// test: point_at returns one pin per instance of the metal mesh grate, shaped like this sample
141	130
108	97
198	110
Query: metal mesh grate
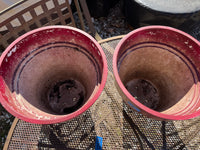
145	133
25	136
78	133
118	125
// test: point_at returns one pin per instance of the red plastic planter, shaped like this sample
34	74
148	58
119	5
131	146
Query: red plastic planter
51	74
168	60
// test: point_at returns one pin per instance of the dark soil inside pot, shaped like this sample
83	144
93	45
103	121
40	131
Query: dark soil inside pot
66	96
144	91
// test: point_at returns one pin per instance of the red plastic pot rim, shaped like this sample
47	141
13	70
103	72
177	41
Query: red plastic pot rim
125	91
58	118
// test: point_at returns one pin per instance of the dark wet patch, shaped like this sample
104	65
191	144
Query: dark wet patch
66	96
144	92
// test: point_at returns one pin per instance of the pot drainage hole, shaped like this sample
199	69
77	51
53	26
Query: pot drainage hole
66	96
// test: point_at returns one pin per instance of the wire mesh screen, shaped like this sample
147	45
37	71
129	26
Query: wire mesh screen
78	133
118	125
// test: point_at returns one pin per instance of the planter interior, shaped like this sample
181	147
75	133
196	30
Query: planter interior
159	68
52	74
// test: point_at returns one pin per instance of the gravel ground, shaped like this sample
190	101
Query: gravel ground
6	120
112	25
